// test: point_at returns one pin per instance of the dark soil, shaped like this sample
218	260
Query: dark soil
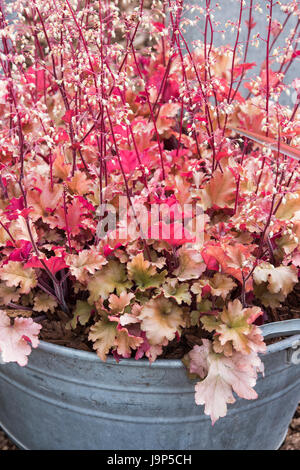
54	331
292	441
289	309
5	443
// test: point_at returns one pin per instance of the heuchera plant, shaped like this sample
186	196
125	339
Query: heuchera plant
109	116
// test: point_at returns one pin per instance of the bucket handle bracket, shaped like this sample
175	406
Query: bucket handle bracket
294	353
289	328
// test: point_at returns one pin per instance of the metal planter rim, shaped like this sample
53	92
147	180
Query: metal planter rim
290	328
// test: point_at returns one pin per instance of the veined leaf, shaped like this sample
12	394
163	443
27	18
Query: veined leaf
224	375
17	339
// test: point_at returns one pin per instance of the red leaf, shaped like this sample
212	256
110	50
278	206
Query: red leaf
211	262
221	155
252	24
68	116
61	136
22	253
158	26
241	68
54	264
15	204
107	250
38	77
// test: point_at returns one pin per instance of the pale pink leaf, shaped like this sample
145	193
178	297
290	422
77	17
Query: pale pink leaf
16	339
225	375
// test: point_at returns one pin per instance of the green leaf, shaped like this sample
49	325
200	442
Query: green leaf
111	277
81	314
144	273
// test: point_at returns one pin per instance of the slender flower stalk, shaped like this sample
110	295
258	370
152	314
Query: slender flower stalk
270	16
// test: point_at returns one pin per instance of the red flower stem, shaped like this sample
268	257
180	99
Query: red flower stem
281	30
62	90
189	97
209	71
243	293
262	237
130	45
8	232
83	161
119	158
19	307
296	107
175	26
232	69
280	70
234	52
273	201
52	277
152	116
47	289
138	156
126	184
181	127
135	145
13	100
207	112
271	251
163	83
239	178
57	286
281	199
84	45
291	61
295	48
246	49
205	39
267	88
101	143
119	70
163	39
278	151
100	159
66	220
268	68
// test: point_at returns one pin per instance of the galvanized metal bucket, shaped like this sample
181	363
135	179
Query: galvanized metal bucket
69	399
